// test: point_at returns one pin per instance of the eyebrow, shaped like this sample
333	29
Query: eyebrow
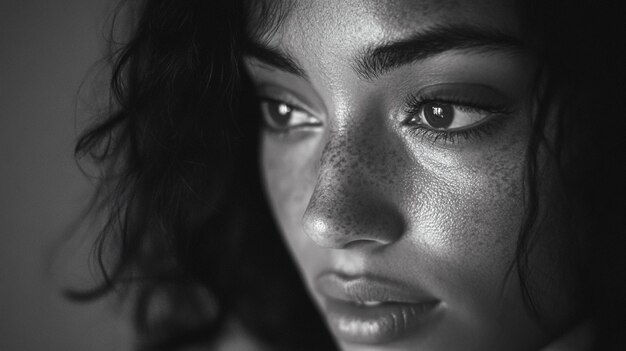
376	60
380	59
274	57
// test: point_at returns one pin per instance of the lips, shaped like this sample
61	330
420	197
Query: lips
373	310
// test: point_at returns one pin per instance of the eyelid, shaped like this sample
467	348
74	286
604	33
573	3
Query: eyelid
414	117
280	94
481	95
477	97
295	105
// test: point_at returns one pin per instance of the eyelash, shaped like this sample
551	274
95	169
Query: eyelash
415	103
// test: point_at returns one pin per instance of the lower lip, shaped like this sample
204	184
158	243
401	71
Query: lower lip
376	324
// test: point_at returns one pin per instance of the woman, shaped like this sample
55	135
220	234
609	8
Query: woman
431	165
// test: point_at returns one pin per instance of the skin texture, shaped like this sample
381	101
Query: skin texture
363	193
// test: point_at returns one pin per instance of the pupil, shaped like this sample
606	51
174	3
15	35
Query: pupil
280	113
438	115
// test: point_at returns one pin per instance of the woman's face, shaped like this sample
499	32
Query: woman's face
393	157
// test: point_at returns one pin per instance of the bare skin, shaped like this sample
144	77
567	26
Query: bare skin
378	203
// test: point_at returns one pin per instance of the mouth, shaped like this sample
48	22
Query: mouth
372	310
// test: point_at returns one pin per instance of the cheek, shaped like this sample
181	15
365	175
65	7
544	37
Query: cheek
289	177
464	233
477	207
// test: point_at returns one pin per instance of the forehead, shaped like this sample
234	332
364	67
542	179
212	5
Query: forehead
342	24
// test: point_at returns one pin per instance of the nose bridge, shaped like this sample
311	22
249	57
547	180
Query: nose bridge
354	158
353	200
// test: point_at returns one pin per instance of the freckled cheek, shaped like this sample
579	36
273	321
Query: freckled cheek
470	218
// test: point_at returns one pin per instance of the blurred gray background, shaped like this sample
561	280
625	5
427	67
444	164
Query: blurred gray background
47	50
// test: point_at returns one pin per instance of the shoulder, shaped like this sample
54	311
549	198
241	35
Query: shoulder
233	338
579	338
236	338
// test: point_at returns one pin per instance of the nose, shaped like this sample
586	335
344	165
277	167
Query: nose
355	201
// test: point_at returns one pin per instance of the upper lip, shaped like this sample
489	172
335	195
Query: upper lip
368	289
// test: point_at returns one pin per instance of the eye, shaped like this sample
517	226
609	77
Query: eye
445	116
281	116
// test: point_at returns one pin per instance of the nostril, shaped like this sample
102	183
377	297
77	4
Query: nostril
358	227
362	244
347	210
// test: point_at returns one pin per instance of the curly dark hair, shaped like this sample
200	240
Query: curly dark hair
187	219
188	223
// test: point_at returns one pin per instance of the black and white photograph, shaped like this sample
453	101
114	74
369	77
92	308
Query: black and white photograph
349	175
